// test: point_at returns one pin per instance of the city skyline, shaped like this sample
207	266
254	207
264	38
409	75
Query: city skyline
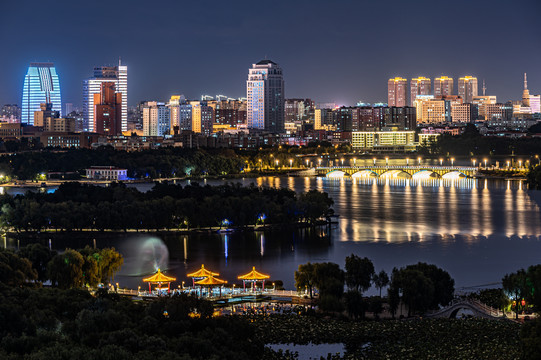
192	68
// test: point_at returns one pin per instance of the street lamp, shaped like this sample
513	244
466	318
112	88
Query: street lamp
354	161
290	163
485	160
273	287
342	162
307	161
508	164
452	161
419	161
183	285
374	161
260	164
473	162
386	161
519	164
407	161
319	162
277	162
441	161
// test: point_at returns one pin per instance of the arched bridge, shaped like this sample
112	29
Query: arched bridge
407	172
476	307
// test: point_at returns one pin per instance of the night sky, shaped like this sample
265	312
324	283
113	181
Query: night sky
341	51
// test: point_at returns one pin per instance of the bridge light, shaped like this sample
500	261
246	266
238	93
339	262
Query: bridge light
319	161
508	163
520	163
374	161
452	161
419	160
342	161
386	161
473	160
485	160
354	160
441	161
407	161
307	162
290	163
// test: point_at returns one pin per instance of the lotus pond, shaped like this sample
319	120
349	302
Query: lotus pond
396	339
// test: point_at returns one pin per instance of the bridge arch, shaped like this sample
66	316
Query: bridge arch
395	174
425	174
366	173
453	175
336	174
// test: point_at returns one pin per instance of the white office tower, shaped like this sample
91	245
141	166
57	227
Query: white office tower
265	93
118	75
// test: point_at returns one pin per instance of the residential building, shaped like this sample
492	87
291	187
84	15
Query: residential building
401	118
265	94
108	110
41	85
430	110
116	74
419	86
11	111
156	119
464	113
443	86
202	119
482	102
499	112
467	88
396	91
383	141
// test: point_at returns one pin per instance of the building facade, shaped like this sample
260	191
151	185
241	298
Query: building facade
467	88
265	97
431	110
443	86
464	113
419	86
156	119
396	91
108	110
116	74
41	85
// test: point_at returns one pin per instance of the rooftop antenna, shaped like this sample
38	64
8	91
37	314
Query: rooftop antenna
119	61
484	88
525	82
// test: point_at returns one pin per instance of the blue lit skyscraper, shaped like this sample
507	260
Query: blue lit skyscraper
41	85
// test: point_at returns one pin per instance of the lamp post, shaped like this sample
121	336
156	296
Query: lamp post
374	161
386	161
342	162
473	160
183	285
419	161
273	287
452	161
354	161
520	164
290	163
441	161
116	287
260	164
138	290
485	160
507	164
277	162
307	161
407	161
319	162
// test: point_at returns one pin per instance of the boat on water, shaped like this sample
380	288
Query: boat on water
225	231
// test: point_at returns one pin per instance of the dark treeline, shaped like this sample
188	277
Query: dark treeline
420	287
75	206
164	163
471	143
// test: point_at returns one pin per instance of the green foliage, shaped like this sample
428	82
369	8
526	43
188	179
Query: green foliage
380	280
534	177
421	287
66	270
355	304
15	270
359	272
515	285
494	298
305	277
39	255
530	336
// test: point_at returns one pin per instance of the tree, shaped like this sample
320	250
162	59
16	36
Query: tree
304	277
15	270
355	305
109	262
329	279
417	290
39	255
444	285
380	280
514	285
534	286
359	272
66	270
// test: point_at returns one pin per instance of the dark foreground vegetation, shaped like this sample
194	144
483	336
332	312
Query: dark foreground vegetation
66	321
76	206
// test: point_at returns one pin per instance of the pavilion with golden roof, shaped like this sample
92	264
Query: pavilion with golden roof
159	278
201	274
253	277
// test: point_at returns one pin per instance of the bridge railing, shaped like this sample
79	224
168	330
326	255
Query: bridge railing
397	167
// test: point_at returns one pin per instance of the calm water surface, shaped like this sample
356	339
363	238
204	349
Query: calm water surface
477	230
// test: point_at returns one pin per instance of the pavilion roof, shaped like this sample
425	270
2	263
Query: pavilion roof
211	280
159	278
201	273
254	275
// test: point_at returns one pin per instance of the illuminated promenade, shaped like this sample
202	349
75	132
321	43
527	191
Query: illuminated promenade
406	172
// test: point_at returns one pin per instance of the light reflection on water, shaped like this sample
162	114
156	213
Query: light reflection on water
478	230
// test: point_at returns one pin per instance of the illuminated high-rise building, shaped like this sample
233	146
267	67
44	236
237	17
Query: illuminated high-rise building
467	88
396	91
419	86
443	86
525	93
108	110
156	119
41	85
265	96
116	74
202	118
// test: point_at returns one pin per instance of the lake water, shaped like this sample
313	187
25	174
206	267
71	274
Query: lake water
477	230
